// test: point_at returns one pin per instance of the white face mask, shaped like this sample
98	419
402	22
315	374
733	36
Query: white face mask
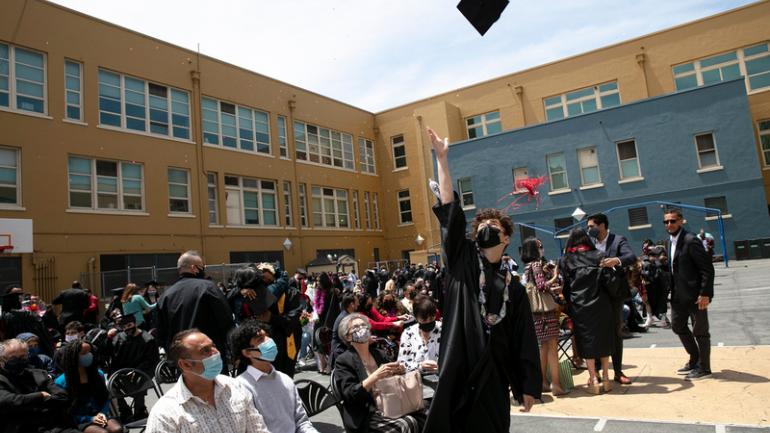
70	338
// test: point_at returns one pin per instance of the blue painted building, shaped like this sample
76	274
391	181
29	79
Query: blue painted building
693	147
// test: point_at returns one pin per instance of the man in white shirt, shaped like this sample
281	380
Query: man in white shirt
273	393
203	400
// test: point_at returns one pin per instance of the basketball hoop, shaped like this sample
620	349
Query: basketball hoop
6	249
5	246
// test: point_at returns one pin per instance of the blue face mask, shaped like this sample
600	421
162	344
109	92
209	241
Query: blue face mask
212	366
86	360
34	351
269	350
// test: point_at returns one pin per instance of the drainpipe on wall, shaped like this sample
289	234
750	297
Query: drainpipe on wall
92	273
292	103
640	60
195	76
519	92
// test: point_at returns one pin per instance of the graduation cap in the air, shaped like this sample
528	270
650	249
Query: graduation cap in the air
482	13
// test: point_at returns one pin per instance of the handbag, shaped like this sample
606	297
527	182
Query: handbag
539	302
399	395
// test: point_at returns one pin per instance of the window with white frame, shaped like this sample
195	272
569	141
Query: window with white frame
628	161
287	214
637	217
375	211
589	166
399	151
764	138
752	62
557	171
212	198
465	187
105	185
356	213
73	93
283	144
302	204
178	190
582	101
323	146
483	124
519	174
10	179
251	201
706	147
330	207
367	212
22	79
404	206
717	203
235	127
130	103
366	153
563	223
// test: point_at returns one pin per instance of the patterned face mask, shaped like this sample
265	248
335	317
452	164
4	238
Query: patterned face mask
361	334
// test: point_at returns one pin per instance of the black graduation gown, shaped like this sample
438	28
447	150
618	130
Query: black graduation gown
590	306
477	369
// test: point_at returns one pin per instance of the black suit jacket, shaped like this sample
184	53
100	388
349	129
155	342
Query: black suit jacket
358	403
693	271
617	246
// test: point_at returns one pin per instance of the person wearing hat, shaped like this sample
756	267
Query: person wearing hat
132	347
36	359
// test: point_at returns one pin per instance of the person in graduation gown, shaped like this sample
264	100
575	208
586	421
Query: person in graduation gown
488	343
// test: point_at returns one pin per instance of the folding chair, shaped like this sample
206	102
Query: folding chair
128	383
564	343
166	372
315	397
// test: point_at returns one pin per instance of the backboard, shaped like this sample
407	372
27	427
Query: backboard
16	233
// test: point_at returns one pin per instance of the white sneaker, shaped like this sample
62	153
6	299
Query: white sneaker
647	323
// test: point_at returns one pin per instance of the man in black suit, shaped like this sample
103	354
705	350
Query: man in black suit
619	256
692	291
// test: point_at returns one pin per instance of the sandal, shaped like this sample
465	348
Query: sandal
593	387
607	385
623	379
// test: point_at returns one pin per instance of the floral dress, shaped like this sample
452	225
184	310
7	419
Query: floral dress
546	324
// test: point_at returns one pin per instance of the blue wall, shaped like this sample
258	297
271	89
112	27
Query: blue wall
664	129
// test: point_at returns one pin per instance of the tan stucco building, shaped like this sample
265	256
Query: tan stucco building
125	150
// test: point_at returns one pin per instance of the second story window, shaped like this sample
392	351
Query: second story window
323	146
105	185
557	170
235	127
73	93
752	62
22	79
178	190
483	124
582	101
399	152
366	153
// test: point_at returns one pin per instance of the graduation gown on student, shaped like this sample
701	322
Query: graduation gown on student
478	365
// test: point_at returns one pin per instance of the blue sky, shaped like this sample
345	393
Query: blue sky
378	54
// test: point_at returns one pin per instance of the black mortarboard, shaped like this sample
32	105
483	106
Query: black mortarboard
482	13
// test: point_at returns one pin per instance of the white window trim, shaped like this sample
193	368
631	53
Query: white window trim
701	168
356	211
461	193
307	152
285	146
583	184
214	185
286	193
592	186
230	149
221	145
740	60
762	133
376	211
399	199
106	212
560	191
484	123
95	190
364	152
240	189
12	82
303	206
710	169
513	173
74	122
187	185
597	96
336	209
716	217
393	146
145	134
640	227
26	113
367	211
19	203
80	92
180	215
620	168
550	173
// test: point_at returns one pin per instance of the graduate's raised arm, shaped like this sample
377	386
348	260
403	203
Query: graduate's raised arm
441	148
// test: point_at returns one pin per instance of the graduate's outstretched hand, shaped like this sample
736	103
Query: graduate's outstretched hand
441	147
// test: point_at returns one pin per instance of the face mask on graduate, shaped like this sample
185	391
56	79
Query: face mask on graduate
488	237
15	366
593	232
70	338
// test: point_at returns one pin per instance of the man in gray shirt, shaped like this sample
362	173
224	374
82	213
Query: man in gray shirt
274	393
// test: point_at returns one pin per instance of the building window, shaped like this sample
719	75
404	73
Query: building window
707	151
753	63
562	223
235	127
356	213
582	101
283	144
399	151
628	160
212	198
764	138
483	124
23	86
366	153
10	192
404	207
287	216
367	212
251	201
118	185
375	211
302	205
465	187
637	217
526	232
178	190
133	104
557	170
717	203
323	146
589	166
330	207
73	94
519	174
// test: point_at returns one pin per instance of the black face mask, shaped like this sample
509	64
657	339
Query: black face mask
593	232
427	327
201	273
488	237
15	366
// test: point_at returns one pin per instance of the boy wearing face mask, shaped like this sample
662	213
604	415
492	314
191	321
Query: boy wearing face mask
274	393
488	343
132	347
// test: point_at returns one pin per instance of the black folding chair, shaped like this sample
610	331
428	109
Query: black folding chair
315	397
166	372
564	343
128	383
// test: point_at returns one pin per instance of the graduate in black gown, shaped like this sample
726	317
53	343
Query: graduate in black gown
488	343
